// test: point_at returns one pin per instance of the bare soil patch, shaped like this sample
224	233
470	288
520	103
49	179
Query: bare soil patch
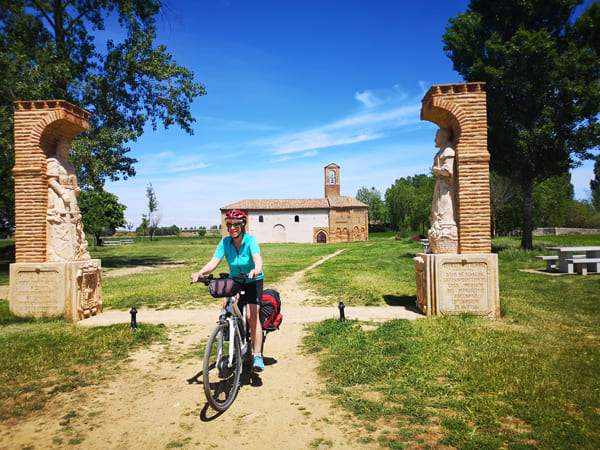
156	402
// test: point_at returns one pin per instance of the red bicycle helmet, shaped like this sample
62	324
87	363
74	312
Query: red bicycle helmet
236	214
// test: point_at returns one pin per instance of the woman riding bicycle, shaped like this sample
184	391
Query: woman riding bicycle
243	256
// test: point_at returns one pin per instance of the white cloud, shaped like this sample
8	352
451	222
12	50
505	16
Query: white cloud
424	86
368	99
308	154
314	139
185	168
386	119
372	124
167	163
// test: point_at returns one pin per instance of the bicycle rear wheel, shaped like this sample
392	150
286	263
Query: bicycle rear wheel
221	379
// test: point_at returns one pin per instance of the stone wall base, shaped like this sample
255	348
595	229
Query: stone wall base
72	290
456	284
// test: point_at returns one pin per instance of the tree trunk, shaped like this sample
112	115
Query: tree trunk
526	238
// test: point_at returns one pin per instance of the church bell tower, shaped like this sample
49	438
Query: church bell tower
332	180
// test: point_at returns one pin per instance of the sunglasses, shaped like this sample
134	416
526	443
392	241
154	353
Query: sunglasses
233	225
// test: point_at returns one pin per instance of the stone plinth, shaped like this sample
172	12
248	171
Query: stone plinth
456	284
72	290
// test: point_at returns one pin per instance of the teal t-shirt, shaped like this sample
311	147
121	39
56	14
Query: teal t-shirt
242	261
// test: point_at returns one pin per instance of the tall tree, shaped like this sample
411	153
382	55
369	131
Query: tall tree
153	213
48	50
542	70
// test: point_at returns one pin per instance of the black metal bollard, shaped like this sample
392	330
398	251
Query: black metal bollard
341	307
133	313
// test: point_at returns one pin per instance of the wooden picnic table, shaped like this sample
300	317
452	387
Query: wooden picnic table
566	256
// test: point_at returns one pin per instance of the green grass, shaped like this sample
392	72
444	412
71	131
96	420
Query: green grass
529	380
170	287
368	273
39	359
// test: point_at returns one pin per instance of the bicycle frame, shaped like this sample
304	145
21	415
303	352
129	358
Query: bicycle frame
232	313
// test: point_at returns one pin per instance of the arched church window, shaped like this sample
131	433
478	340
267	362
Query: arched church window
332	177
297	219
261	219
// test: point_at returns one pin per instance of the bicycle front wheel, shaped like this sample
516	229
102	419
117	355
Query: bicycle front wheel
220	376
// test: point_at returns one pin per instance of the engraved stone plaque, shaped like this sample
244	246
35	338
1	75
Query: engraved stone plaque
456	284
37	290
467	284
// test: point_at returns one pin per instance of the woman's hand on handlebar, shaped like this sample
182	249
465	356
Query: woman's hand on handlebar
195	277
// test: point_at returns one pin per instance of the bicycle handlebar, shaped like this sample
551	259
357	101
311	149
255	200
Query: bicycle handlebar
207	279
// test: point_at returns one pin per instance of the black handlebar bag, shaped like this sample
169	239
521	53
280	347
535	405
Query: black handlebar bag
223	287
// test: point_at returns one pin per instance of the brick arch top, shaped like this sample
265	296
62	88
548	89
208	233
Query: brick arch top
443	113
462	107
38	124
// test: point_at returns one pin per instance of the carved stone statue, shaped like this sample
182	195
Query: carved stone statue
53	274
66	239
443	234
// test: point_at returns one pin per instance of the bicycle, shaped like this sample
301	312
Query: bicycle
228	346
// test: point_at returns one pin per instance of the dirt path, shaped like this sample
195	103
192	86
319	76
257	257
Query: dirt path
154	405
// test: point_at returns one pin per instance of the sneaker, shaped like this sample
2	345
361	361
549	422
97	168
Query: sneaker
259	365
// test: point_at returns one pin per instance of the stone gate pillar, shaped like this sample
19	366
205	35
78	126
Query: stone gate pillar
464	280
53	274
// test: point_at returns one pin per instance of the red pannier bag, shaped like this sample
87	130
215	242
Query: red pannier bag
270	310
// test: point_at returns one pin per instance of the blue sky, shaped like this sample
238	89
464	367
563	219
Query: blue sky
292	87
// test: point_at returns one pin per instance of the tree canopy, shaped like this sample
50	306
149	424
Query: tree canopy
542	72
101	213
372	198
61	50
408	202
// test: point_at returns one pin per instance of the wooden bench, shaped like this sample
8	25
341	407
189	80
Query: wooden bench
581	264
126	241
111	243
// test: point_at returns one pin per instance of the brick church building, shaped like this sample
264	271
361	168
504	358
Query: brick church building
332	219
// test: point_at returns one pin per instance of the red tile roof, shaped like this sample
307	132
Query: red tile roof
302	203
